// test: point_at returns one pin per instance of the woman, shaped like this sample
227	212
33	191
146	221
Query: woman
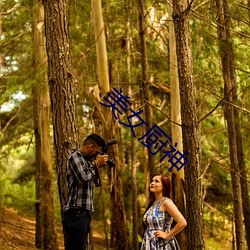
159	215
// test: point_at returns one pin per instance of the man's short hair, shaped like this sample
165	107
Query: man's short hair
94	139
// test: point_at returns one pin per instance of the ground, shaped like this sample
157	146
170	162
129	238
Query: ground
18	232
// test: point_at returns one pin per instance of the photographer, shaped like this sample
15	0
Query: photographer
82	173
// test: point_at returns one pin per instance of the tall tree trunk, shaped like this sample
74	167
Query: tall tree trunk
46	237
132	139
177	176
243	179
144	85
181	16
121	235
229	75
101	51
37	67
61	88
104	219
109	131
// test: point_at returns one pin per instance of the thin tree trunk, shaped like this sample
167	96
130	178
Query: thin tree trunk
101	51
229	75
104	219
233	235
177	176
150	165
46	237
61	88
243	178
132	139
194	215
117	204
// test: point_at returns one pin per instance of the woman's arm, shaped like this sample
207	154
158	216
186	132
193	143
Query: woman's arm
169	207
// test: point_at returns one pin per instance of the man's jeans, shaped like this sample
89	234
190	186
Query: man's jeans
76	226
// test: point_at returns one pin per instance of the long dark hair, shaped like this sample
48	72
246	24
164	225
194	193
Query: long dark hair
166	189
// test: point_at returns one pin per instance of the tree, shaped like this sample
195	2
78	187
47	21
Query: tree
45	217
181	16
109	131
230	93
61	86
144	88
132	139
177	176
243	177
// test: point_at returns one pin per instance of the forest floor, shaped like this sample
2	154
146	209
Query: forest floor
18	232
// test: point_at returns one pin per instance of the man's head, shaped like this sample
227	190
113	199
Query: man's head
92	146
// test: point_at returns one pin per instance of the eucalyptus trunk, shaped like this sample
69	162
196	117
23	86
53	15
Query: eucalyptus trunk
134	207
177	176
120	238
61	87
46	237
243	177
230	93
144	88
181	17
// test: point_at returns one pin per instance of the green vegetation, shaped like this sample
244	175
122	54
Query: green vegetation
17	146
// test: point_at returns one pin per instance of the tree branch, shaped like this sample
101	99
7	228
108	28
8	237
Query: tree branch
161	112
10	120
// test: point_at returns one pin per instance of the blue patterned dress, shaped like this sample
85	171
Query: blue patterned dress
155	220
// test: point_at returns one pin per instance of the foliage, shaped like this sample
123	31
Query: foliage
17	150
18	190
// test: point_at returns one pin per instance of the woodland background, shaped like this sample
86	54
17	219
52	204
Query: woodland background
86	48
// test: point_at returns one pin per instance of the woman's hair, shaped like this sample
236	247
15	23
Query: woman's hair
166	189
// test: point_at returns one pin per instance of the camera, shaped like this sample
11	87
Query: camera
110	162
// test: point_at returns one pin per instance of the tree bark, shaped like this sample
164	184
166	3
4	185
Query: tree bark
144	89
101	51
177	176
181	16
230	90
121	241
243	177
61	87
46	237
132	139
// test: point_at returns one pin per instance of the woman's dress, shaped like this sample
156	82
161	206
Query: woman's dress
155	220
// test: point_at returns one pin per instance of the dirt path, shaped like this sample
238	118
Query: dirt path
18	232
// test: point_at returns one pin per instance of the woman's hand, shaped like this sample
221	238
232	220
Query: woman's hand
161	234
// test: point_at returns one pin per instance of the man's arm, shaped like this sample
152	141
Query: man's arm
80	167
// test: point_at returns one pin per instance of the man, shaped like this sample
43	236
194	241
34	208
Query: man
81	174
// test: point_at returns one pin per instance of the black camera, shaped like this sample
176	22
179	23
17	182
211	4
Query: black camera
110	162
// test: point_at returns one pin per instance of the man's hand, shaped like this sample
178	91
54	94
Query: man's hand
100	160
